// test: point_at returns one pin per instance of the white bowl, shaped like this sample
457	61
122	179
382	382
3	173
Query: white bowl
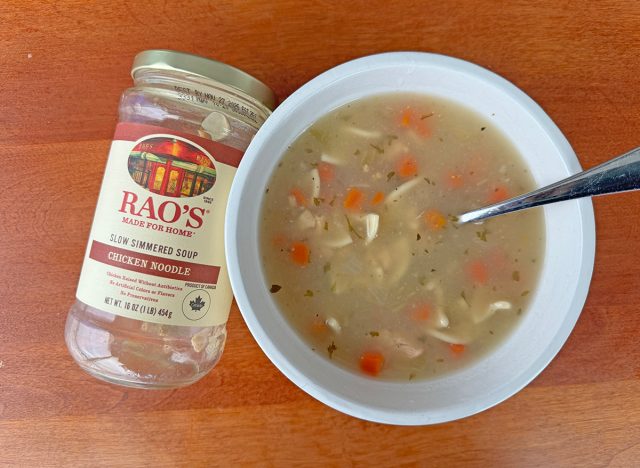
566	271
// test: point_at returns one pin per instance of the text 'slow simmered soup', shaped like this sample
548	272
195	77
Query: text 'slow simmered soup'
360	248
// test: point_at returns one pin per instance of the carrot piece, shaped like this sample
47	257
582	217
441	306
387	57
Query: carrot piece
326	172
478	272
407	166
318	327
299	196
454	180
299	253
498	194
353	199
435	220
457	349
371	362
407	117
421	313
377	198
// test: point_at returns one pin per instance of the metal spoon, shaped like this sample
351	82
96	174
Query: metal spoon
620	174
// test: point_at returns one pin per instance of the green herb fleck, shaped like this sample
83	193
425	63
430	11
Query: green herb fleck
482	235
326	225
524	293
377	148
357	152
330	349
327	267
418	236
490	332
515	275
332	201
411	376
482	129
390	175
351	228
308	150
426	116
464	297
374	333
333	287
315	133
275	288
433	270
309	293
317	201
439	360
429	181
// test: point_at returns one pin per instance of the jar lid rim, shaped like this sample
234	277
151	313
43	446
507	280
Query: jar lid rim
162	59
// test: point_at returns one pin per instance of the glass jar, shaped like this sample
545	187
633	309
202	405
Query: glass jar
154	295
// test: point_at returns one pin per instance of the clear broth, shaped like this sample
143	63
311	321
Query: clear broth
415	296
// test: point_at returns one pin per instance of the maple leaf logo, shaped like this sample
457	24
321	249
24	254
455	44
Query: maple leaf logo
197	304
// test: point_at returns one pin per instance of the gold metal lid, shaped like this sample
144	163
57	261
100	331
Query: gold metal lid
208	68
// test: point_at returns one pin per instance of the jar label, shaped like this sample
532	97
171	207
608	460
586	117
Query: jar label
156	248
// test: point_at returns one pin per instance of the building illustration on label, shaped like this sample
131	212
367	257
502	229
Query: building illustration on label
171	167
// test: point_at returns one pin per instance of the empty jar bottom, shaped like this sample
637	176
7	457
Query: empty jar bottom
141	354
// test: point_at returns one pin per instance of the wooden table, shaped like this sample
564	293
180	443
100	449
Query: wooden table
63	65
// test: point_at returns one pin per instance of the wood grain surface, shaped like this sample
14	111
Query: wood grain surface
63	65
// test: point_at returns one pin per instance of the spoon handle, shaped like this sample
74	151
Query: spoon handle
620	174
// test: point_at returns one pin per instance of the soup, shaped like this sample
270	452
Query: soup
361	250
